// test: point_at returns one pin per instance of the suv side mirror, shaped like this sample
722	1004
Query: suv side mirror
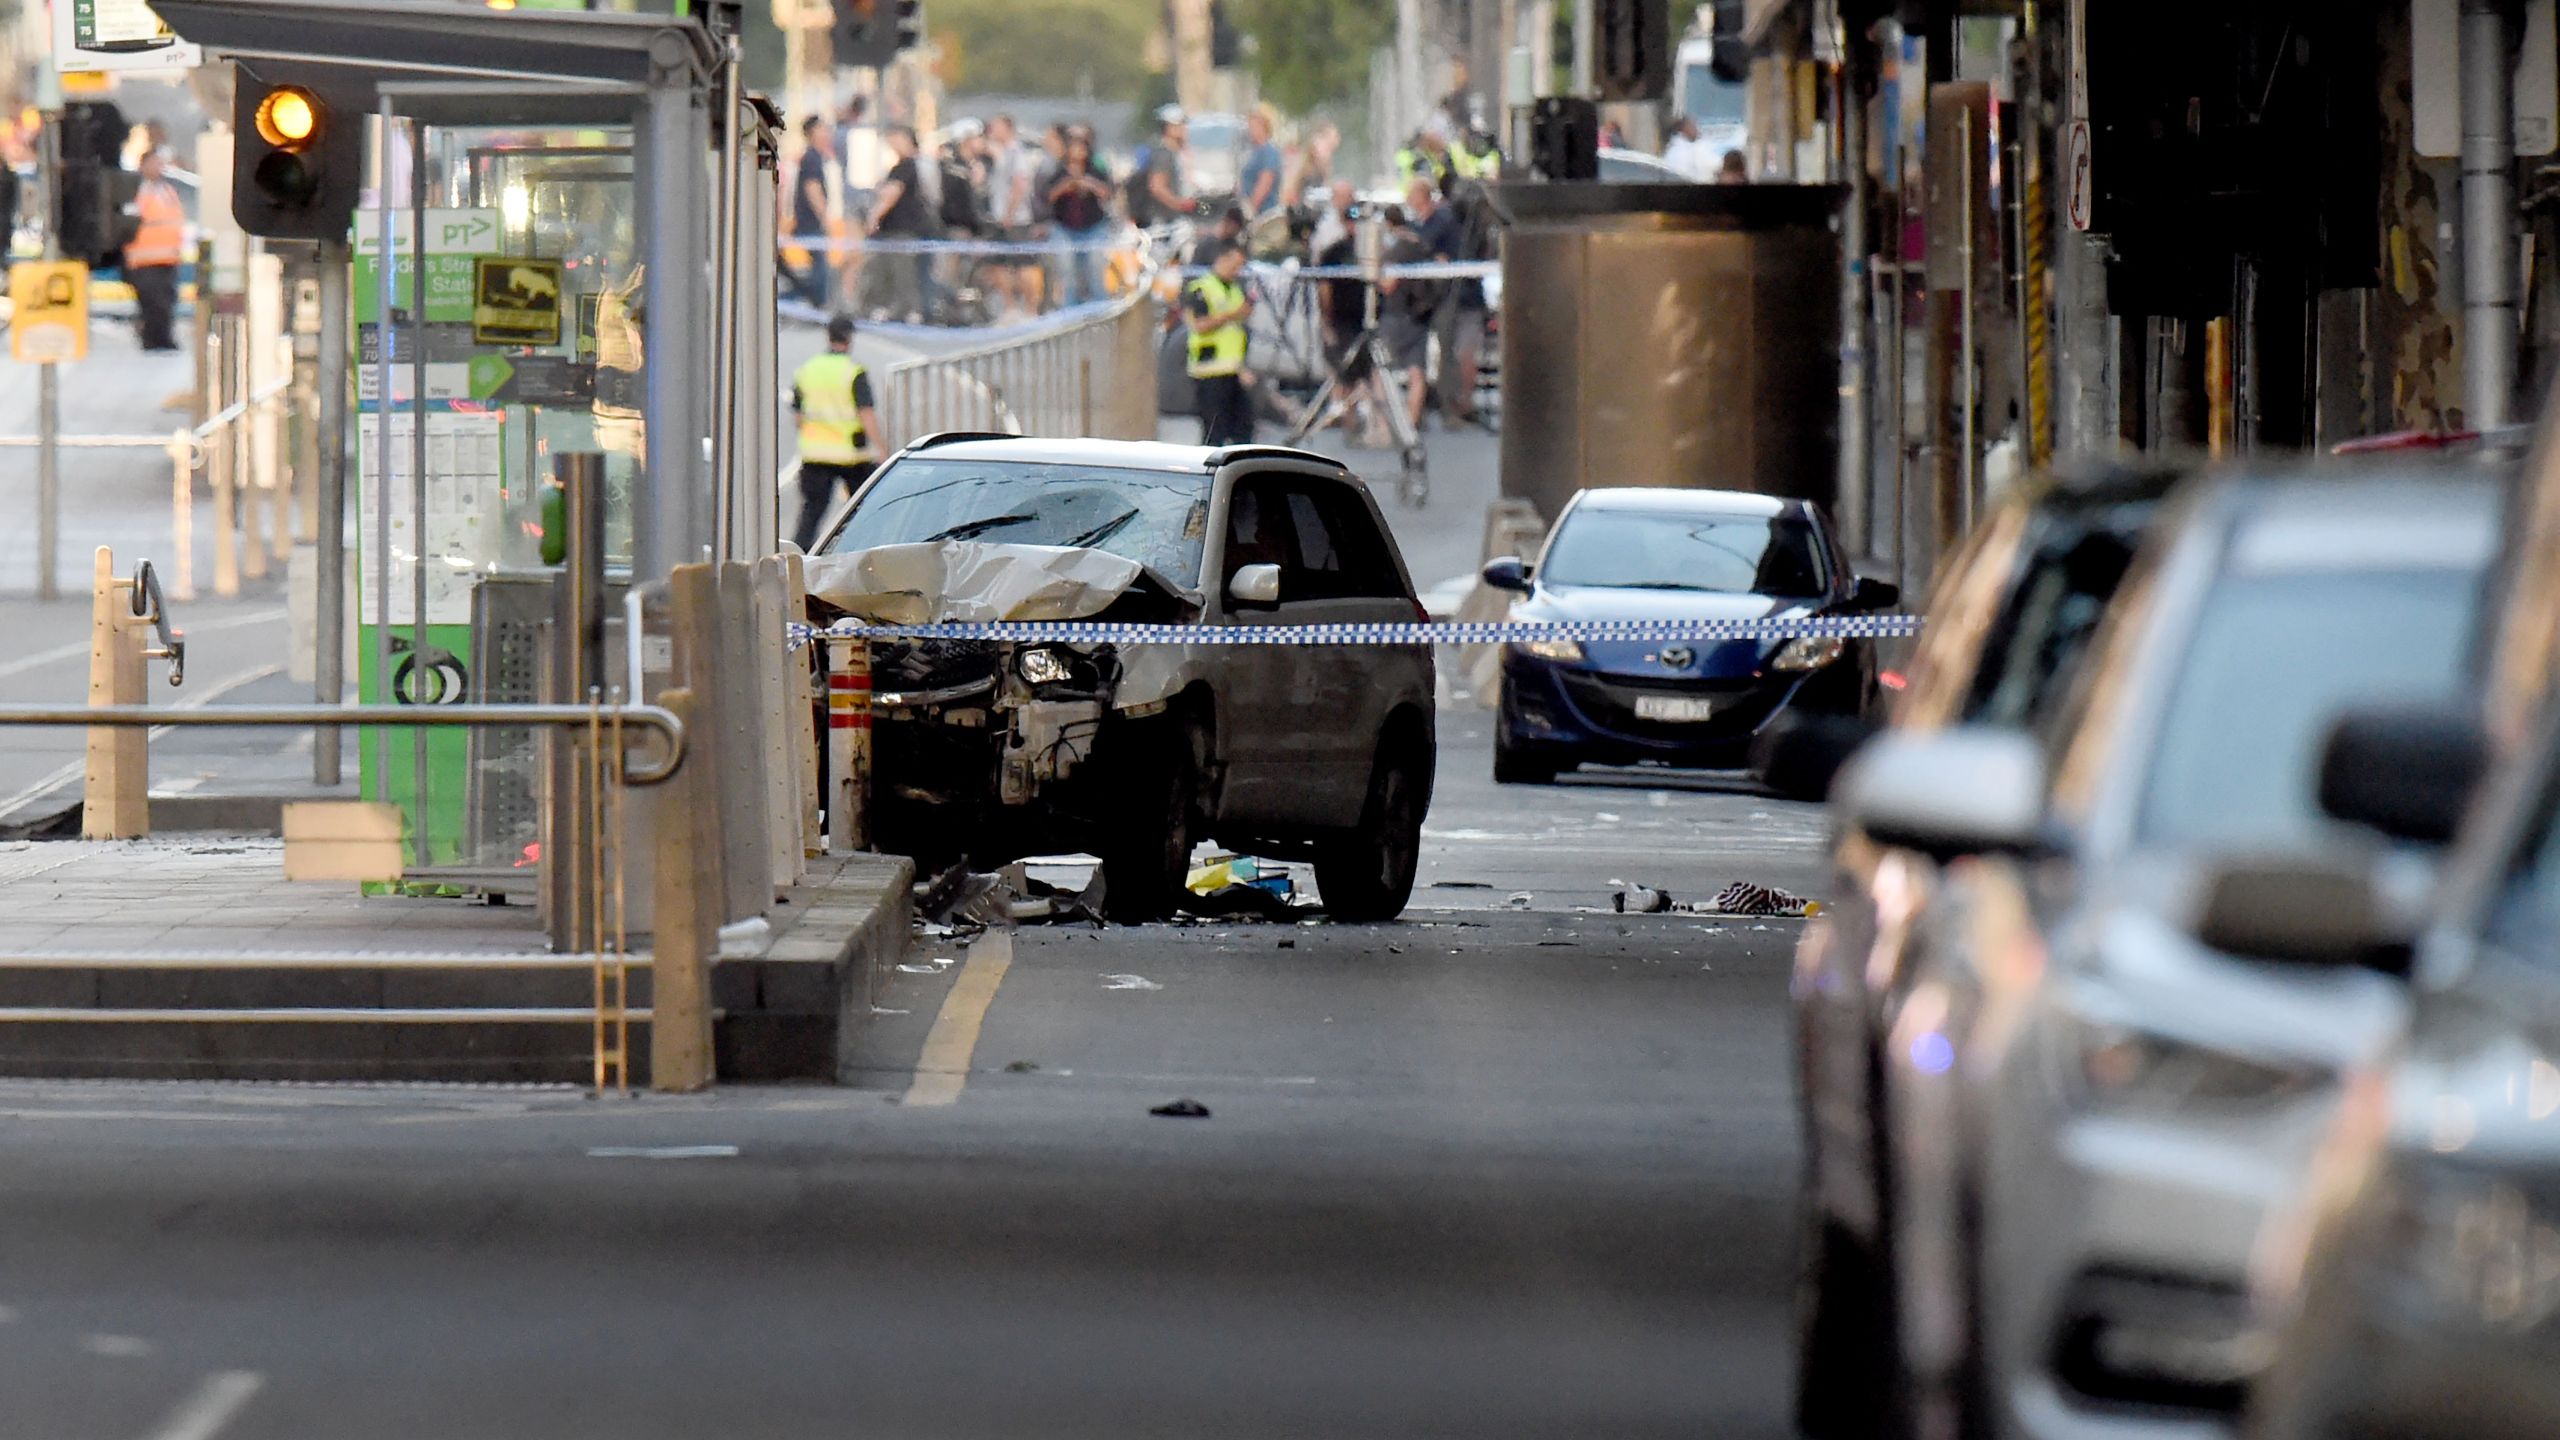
1873	595
2405	771
1255	585
2299	912
1948	793
1508	573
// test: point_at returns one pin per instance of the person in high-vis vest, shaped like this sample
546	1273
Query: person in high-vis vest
1218	307
1428	157
151	260
840	435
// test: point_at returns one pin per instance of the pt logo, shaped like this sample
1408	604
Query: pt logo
434	676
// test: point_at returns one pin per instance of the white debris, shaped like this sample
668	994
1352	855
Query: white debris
1129	982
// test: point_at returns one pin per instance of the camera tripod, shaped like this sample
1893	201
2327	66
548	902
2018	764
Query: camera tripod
1366	360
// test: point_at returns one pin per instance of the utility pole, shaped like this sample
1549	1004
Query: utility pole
1191	57
2488	213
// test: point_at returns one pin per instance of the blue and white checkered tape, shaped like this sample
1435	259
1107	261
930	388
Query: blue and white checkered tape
1490	632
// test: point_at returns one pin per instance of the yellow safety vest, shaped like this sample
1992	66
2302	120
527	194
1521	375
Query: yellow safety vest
831	430
1219	351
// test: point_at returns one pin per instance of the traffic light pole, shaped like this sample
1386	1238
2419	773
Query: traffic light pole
49	385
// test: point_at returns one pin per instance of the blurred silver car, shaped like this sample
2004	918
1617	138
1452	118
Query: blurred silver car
2092	1108
2007	632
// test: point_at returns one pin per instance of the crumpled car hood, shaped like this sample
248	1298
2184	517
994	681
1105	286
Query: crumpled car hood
967	582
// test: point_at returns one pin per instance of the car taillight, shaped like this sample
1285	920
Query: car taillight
1892	680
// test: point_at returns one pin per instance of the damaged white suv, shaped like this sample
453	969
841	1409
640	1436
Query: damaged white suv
992	750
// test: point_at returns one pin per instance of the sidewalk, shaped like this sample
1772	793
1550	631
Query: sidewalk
183	924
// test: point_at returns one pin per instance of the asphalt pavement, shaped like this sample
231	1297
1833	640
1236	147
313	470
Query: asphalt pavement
1491	1175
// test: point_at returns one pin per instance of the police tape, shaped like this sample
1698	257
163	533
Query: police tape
1451	632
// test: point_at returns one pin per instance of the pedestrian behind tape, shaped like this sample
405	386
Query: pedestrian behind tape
1218	307
840	431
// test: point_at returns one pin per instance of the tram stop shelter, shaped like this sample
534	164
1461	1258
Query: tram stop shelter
547	363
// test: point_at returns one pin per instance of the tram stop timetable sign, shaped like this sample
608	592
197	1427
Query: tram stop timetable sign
49	311
515	300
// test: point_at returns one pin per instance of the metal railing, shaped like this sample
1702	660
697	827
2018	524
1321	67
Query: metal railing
1073	379
605	951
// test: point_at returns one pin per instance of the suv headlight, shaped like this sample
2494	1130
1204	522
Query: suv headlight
1043	666
1809	652
1568	651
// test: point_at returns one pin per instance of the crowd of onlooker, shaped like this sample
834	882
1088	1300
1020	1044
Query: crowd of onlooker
1042	217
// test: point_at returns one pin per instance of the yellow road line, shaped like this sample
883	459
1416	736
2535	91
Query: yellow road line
942	1071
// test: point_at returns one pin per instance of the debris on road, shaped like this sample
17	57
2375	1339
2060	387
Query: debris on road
1739	898
1240	887
1129	982
1183	1109
1521	900
1021	1067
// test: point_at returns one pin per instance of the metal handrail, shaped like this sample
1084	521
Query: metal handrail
660	722
150	606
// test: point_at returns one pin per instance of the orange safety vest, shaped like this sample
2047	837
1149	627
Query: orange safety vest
162	239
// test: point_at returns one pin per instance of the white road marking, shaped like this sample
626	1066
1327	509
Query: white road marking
663	1152
119	1347
210	1406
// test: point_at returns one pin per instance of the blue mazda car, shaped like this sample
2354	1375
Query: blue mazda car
1654	554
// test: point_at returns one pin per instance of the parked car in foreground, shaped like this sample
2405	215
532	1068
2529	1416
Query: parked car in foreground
2011	620
2416	1293
1651	554
995	750
2095	1097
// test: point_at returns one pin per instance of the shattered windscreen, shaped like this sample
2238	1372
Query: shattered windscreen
1157	518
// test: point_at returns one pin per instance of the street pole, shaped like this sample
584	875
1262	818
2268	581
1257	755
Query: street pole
330	603
1856	310
2488	215
49	384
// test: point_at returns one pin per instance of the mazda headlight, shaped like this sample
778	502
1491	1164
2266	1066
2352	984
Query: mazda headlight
1043	666
2133	1064
1809	652
1567	651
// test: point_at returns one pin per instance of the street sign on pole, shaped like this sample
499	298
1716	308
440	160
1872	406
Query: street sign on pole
116	35
49	311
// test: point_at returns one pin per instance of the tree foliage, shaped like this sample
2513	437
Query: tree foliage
1054	47
1314	53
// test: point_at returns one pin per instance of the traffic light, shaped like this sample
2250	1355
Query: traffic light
297	162
1635	45
870	33
92	226
1564	138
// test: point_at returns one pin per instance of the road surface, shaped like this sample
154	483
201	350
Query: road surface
1469	1175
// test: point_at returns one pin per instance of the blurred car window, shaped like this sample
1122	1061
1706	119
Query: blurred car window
1153	517
2274	658
1637	550
2049	629
1340	553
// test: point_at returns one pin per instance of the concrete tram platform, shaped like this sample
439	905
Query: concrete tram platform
162	927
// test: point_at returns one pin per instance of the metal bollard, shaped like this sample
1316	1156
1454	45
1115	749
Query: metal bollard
115	788
848	743
684	928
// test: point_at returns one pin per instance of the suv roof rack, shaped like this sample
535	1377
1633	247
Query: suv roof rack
1229	454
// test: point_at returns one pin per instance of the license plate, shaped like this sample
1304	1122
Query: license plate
1673	707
